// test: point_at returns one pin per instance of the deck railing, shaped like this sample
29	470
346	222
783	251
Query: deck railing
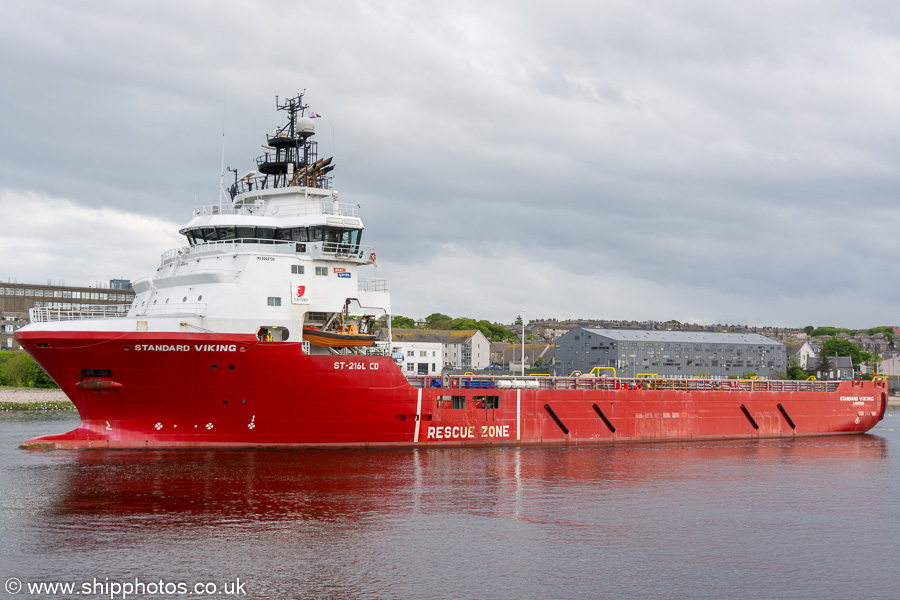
373	285
326	206
317	250
463	382
94	311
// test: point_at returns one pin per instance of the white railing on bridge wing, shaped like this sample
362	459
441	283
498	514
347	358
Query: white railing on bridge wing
263	208
373	285
94	311
329	250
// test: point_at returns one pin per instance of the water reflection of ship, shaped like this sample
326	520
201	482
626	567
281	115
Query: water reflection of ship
204	488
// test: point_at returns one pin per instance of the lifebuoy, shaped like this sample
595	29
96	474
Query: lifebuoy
372	257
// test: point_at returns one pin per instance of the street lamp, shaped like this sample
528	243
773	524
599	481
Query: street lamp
523	342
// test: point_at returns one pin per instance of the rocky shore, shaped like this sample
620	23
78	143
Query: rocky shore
29	395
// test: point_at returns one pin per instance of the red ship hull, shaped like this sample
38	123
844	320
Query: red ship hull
140	390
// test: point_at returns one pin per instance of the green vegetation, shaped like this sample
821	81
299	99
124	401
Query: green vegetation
401	322
794	371
34	406
838	347
824	365
442	322
832	331
17	369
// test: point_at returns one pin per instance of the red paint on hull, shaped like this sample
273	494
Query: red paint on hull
204	390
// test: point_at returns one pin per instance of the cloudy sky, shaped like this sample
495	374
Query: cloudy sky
713	162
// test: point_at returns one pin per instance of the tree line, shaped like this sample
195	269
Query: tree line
17	369
833	331
442	322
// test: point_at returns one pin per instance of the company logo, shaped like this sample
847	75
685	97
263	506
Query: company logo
299	294
344	275
340	270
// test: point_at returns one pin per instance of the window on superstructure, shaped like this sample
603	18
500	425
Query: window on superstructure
225	233
245	233
297	269
274	301
322	271
351	237
332	235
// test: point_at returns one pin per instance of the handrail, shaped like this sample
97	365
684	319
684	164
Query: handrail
598	369
45	314
332	250
472	381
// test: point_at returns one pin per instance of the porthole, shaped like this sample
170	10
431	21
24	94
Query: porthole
199	298
184	299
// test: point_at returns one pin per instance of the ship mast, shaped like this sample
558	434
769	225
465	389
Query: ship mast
291	157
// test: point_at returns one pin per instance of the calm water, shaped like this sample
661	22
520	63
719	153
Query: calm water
815	518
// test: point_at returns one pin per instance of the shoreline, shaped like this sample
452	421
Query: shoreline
30	395
34	399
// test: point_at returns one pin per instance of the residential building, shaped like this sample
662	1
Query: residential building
840	367
418	358
535	354
805	353
467	349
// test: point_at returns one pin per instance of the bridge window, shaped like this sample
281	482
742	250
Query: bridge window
334	235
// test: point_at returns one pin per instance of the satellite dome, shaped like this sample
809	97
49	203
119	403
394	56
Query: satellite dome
305	126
